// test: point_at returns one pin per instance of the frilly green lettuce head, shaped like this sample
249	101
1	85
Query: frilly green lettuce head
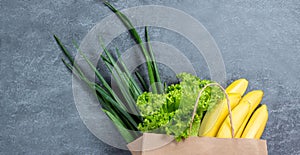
171	112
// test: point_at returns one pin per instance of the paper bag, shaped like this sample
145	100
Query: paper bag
158	144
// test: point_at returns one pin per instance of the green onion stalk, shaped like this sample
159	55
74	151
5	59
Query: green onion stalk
121	109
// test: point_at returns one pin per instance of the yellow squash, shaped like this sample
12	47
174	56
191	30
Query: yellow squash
239	113
257	123
254	98
214	118
239	86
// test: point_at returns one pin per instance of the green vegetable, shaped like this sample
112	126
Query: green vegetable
121	109
171	113
165	110
153	74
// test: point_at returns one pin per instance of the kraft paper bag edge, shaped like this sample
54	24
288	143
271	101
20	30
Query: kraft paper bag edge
258	145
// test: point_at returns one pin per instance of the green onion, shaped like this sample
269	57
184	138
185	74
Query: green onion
151	65
124	114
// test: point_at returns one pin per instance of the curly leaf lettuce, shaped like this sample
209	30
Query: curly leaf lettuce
171	113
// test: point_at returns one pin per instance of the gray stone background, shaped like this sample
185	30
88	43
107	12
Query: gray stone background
259	40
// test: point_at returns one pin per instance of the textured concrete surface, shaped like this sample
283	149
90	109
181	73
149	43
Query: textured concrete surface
259	40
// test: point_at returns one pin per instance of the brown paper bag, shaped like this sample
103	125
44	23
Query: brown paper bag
159	144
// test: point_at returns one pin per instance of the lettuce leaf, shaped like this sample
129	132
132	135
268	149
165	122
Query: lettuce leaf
171	113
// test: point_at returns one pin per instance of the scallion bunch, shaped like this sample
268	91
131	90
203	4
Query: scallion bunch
122	110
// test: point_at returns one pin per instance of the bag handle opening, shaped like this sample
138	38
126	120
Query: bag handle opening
228	105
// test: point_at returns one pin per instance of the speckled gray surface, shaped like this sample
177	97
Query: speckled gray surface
259	40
